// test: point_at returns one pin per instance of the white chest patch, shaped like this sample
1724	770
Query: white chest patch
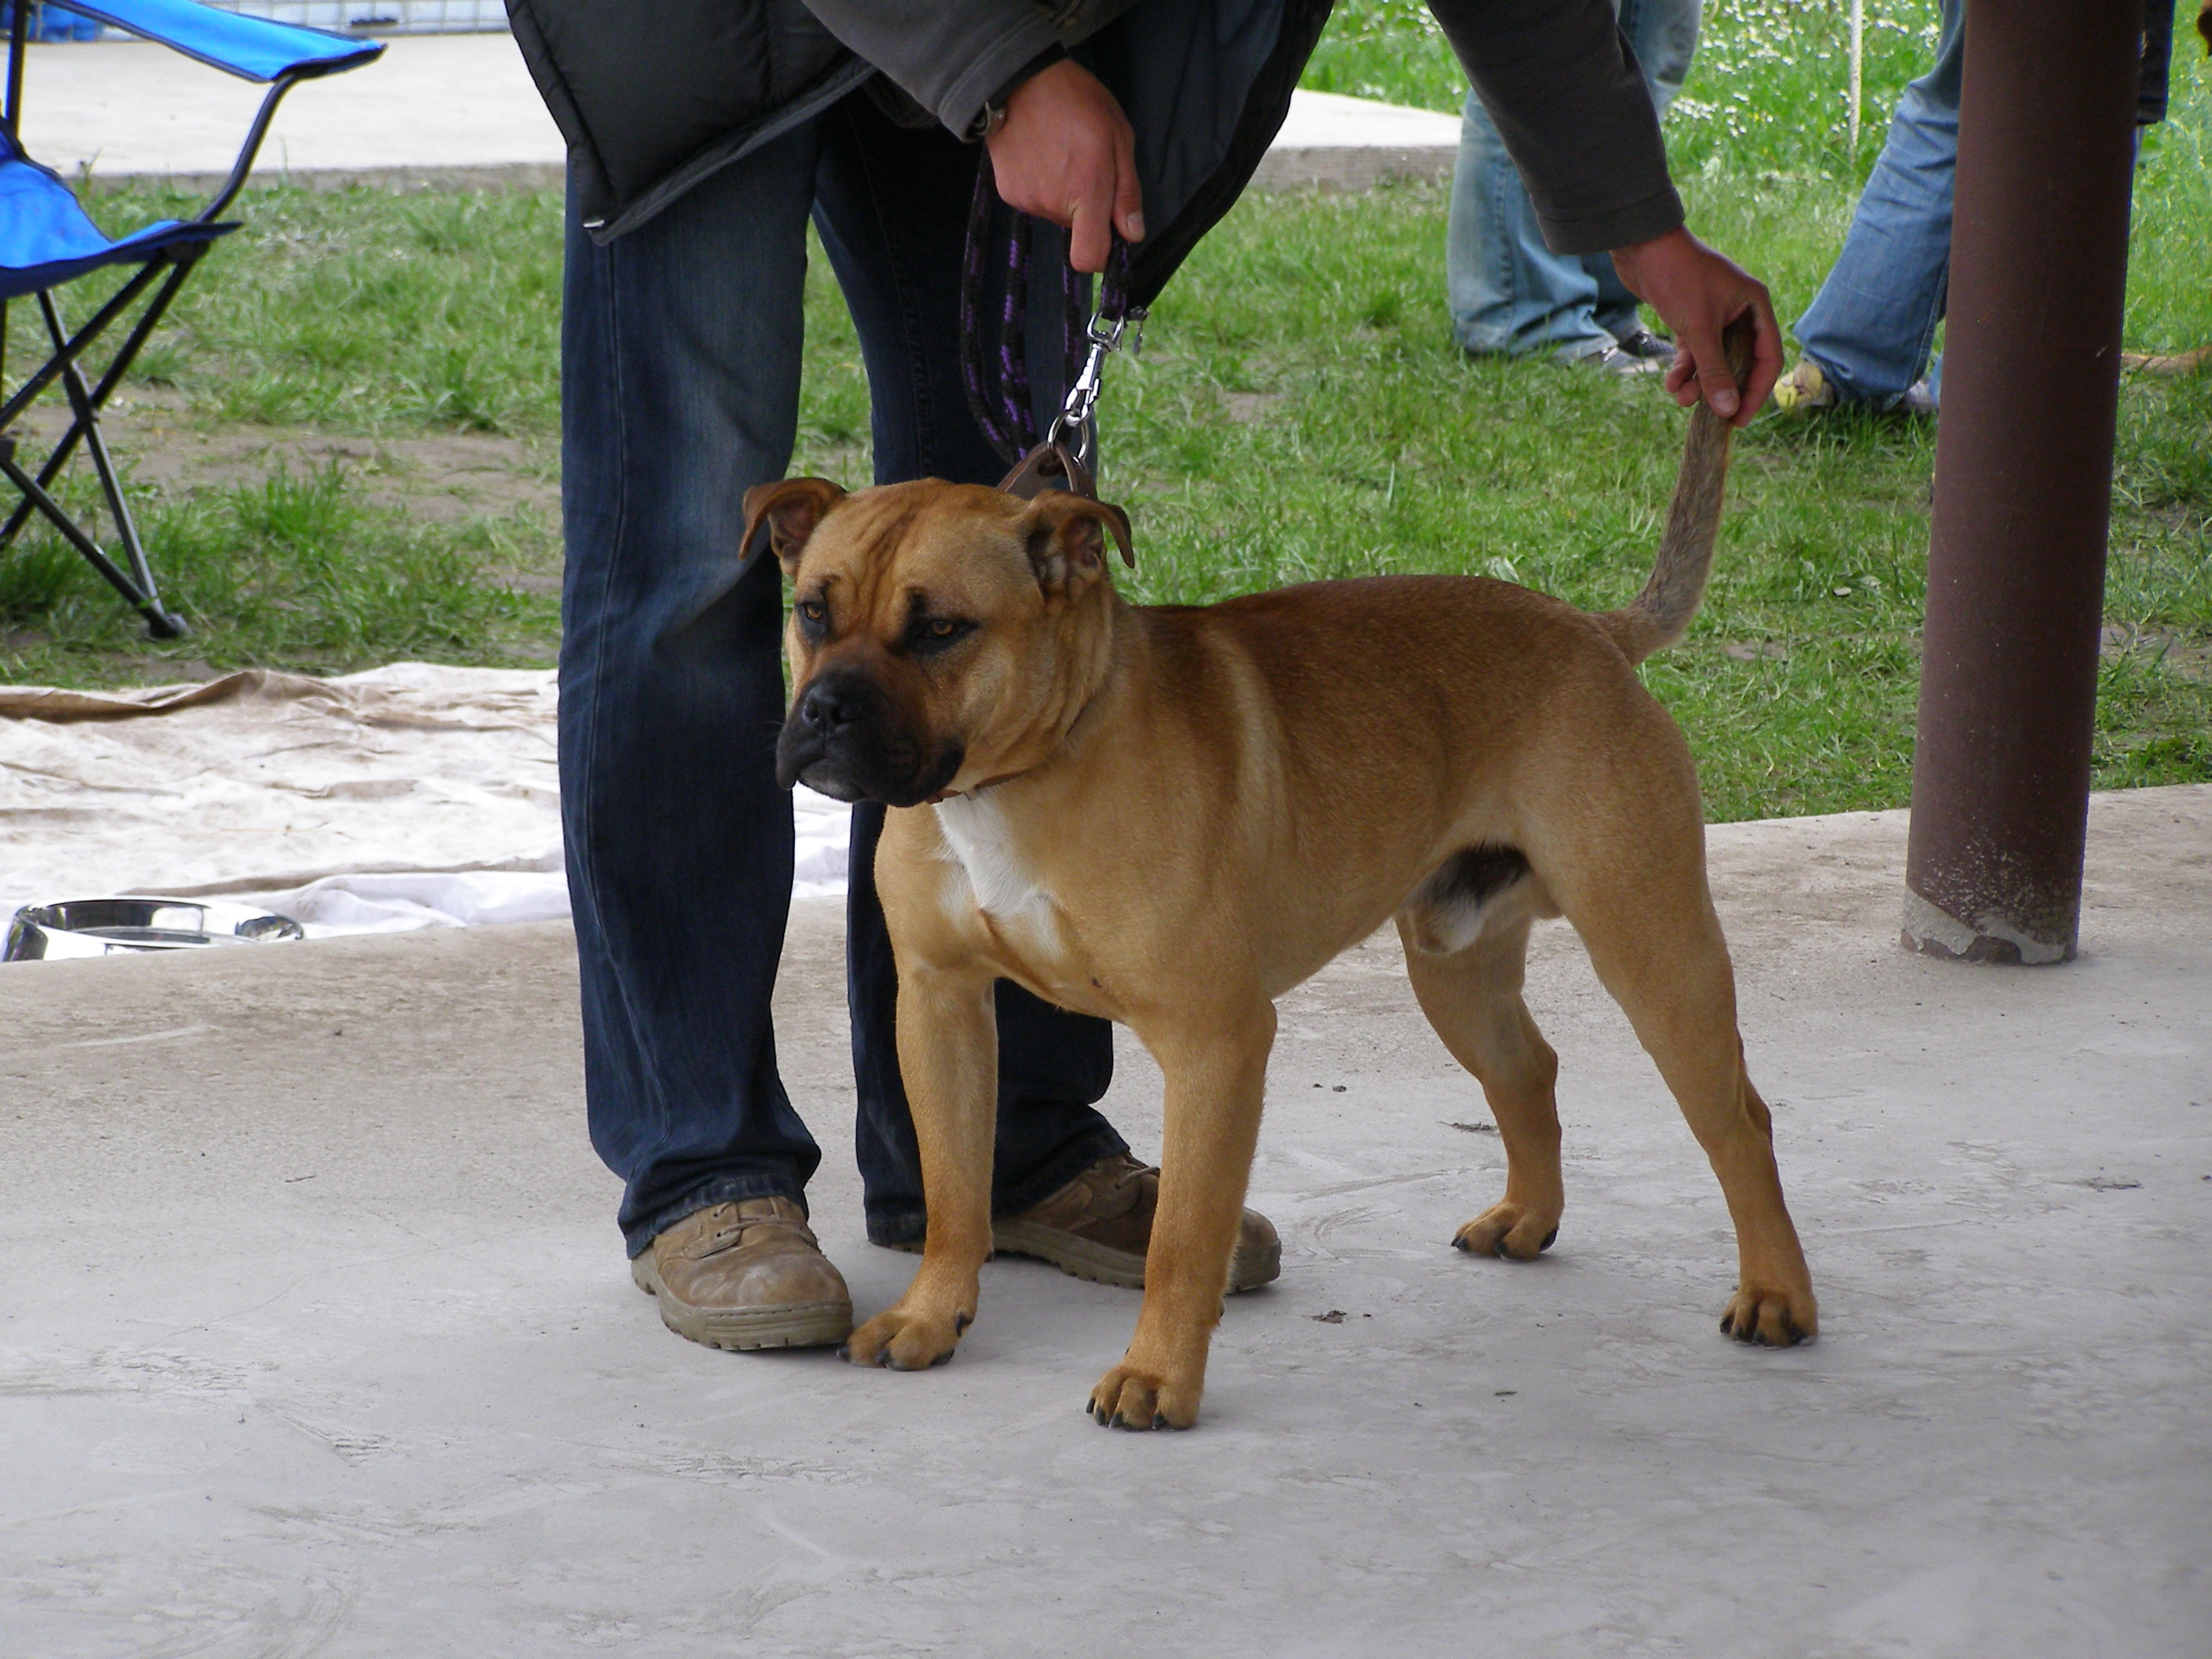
998	883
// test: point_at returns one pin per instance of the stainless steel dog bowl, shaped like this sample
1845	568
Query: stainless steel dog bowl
106	926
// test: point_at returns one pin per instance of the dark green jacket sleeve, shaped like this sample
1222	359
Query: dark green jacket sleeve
1570	101
950	55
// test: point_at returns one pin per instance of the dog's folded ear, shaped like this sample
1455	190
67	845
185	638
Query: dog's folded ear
793	507
1067	539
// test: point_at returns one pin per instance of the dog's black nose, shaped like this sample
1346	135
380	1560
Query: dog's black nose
827	707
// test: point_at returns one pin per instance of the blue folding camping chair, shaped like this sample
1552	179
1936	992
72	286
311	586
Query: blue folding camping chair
47	241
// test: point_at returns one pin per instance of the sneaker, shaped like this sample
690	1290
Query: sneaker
1099	1226
1803	390
746	1275
1919	399
1645	343
1619	361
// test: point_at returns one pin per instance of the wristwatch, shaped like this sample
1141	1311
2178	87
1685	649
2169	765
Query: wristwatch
992	116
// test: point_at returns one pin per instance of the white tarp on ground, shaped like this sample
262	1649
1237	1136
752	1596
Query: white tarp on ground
409	796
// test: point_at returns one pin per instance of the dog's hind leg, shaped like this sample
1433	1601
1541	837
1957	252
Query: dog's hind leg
1646	916
948	1047
1472	996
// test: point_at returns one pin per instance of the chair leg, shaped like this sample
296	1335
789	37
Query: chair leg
67	445
159	624
59	457
33	385
144	594
126	528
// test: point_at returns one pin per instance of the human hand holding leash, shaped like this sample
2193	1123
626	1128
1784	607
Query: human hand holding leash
1699	292
1067	153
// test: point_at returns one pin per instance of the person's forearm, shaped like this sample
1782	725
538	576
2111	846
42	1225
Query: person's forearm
1570	101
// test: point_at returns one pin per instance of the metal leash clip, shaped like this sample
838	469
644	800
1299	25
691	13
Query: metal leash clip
1078	418
1068	456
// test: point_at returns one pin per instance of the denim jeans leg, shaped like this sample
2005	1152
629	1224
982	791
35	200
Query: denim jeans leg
892	205
680	354
1870	327
1663	33
1509	295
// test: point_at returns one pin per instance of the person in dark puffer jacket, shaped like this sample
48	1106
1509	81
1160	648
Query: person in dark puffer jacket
703	135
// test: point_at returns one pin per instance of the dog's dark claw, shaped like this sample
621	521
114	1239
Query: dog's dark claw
961	1322
1159	1420
845	1351
1462	1246
1550	1239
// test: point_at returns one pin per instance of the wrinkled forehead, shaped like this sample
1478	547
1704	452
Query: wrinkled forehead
880	551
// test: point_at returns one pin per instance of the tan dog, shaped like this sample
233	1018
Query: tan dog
1170	816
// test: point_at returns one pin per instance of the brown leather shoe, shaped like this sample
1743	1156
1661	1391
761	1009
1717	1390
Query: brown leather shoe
1098	1226
746	1275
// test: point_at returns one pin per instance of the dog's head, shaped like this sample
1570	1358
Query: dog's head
941	635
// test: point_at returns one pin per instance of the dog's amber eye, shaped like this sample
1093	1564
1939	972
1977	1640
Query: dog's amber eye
813	610
929	634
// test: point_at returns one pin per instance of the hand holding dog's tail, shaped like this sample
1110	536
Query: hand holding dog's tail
1662	610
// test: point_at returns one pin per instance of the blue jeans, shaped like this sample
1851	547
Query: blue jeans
1872	325
680	366
1510	294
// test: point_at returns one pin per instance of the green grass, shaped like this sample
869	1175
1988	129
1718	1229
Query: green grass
1402	454
1306	415
1392	50
296	571
366	313
1769	94
358	313
1299	411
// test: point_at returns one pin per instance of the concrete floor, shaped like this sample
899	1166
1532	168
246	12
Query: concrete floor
315	1336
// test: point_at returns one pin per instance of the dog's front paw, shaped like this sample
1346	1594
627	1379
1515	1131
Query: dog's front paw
1509	1229
1772	1317
902	1340
1128	1397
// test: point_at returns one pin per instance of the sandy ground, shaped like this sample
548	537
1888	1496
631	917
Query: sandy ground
315	1336
447	476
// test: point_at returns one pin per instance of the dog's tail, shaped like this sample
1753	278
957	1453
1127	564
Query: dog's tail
1662	610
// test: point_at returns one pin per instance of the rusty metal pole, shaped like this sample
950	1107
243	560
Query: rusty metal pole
2023	479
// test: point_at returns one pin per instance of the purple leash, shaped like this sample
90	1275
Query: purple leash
999	395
